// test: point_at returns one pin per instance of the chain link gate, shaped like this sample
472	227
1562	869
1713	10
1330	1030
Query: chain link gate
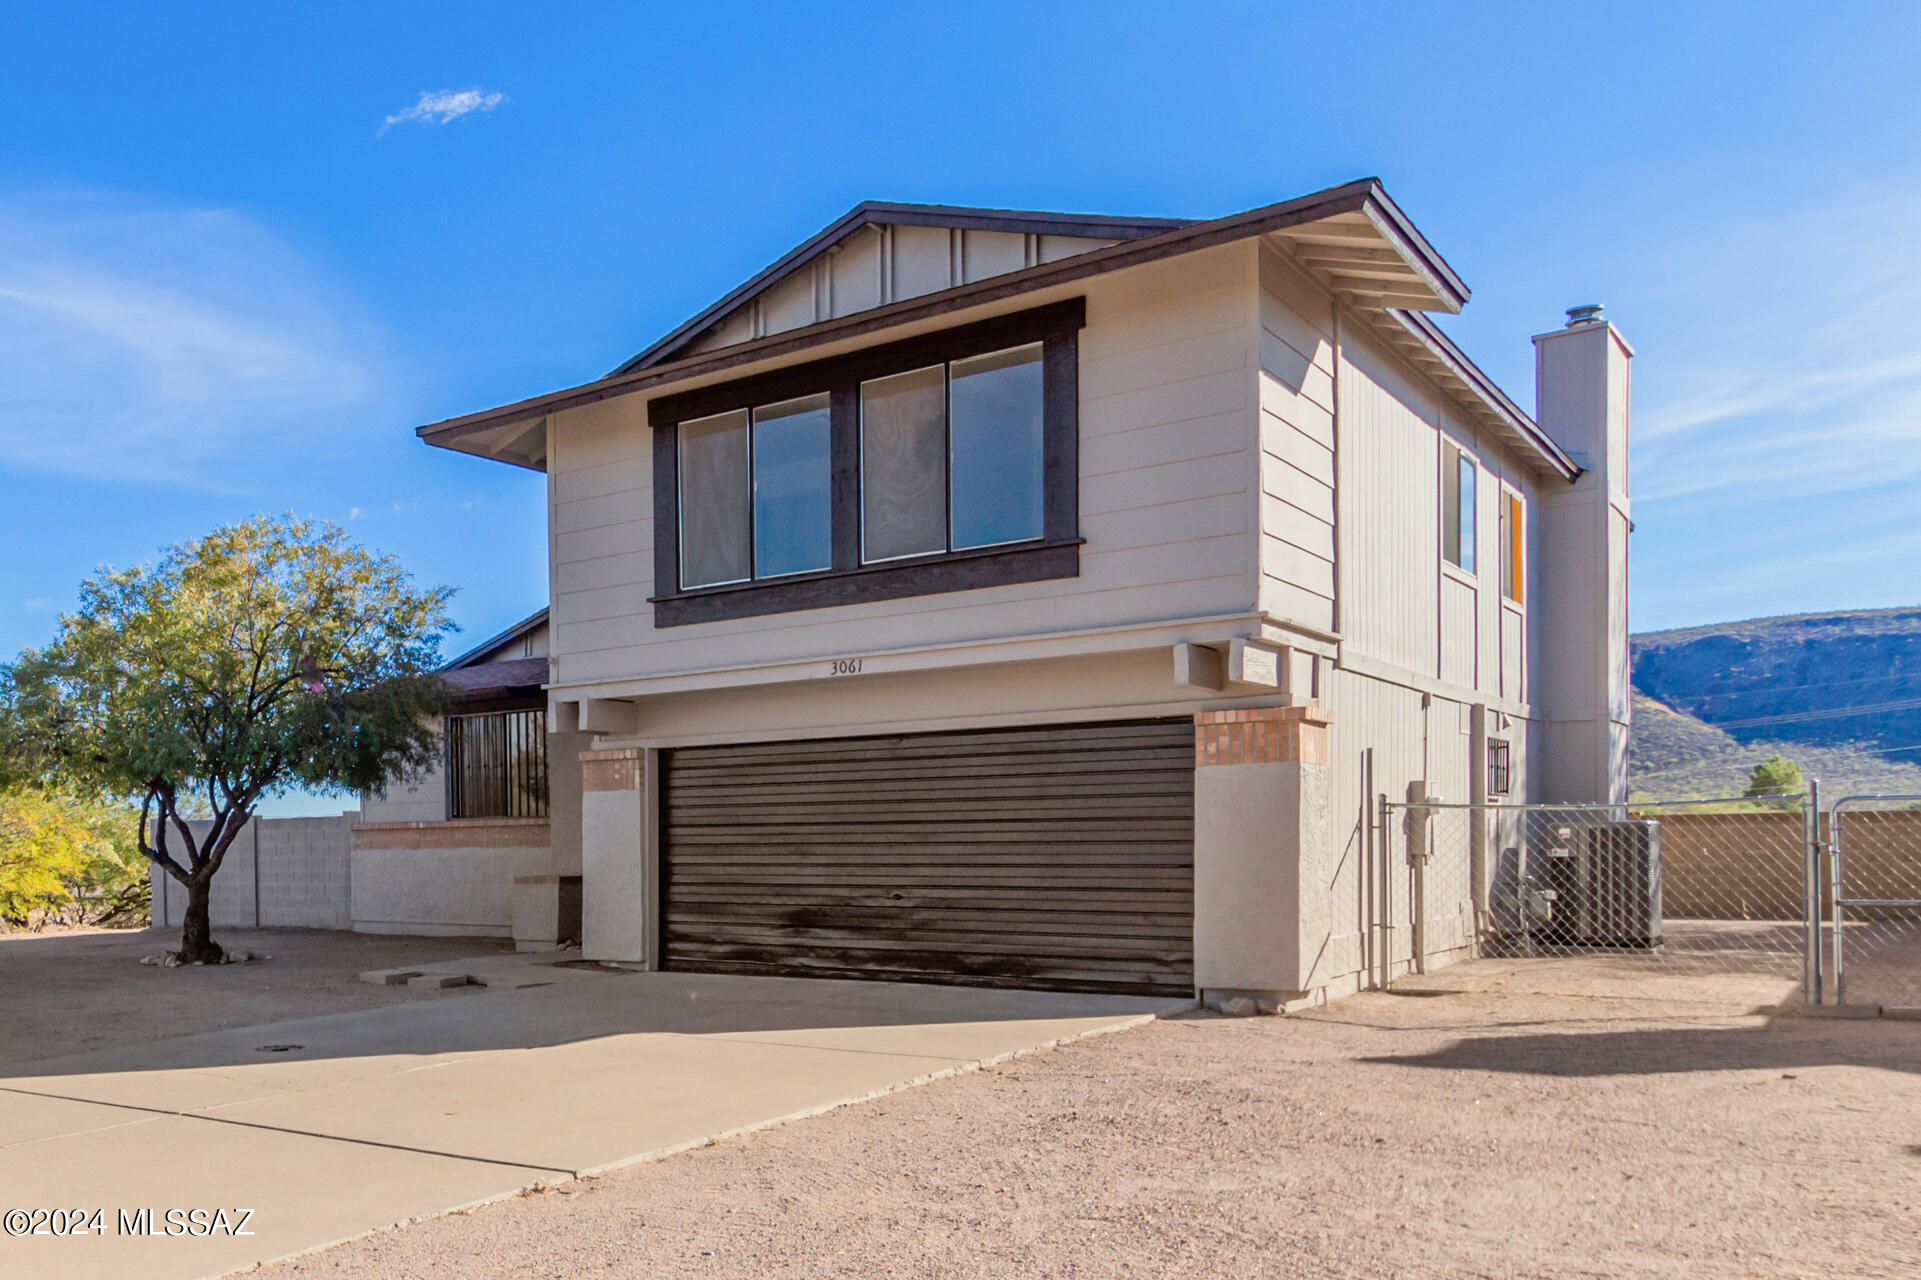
1728	886
1873	893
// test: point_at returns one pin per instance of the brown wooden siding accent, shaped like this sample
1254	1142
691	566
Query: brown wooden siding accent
1058	857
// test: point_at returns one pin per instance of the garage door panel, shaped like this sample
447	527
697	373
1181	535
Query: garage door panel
979	971
1106	737
1057	857
1100	901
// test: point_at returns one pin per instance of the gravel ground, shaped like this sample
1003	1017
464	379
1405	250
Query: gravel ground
78	990
1476	1132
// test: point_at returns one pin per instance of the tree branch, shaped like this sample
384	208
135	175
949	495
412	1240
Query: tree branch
159	856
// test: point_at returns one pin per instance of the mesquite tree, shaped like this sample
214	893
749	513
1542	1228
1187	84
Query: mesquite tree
268	655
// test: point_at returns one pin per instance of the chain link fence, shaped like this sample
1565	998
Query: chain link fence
1697	886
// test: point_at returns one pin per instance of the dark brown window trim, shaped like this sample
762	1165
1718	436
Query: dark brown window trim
1056	554
955	571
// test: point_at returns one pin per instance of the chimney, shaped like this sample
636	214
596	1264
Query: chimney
1581	674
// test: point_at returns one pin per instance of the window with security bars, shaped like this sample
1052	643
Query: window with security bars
1500	768
497	765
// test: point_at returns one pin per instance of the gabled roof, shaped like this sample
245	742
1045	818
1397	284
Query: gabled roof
1102	228
1353	239
532	622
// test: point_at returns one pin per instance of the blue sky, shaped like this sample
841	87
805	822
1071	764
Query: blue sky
243	253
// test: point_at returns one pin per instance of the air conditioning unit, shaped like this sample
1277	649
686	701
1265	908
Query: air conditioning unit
1606	883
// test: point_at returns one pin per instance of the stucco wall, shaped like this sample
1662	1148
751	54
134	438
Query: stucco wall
444	878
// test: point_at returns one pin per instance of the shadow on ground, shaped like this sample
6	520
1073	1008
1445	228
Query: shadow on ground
1785	1044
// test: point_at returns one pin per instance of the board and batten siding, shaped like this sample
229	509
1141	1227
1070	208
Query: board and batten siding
1405	609
1297	447
883	263
1166	501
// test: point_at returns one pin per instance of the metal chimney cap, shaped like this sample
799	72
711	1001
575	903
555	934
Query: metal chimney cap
1587	313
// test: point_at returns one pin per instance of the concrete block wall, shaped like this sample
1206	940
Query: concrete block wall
278	873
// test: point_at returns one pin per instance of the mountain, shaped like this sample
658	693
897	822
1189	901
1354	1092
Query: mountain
1838	693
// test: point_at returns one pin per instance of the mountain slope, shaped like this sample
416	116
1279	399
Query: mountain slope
1838	693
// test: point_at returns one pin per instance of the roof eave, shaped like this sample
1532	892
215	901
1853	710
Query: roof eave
1486	393
1363	199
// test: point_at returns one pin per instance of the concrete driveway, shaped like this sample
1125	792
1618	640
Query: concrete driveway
329	1127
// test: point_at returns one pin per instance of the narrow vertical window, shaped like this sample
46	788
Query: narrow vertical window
1457	508
903	462
996	451
793	487
1513	549
716	501
1500	767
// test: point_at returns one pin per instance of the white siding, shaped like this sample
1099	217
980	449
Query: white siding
1389	517
1167	501
1297	437
1460	631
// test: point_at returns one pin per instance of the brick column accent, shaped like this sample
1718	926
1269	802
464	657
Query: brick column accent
619	866
1262	735
1263	846
617	770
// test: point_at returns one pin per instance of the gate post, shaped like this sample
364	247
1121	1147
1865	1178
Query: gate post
1811	893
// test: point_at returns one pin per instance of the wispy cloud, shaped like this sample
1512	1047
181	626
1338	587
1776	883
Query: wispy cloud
1777	435
439	106
170	346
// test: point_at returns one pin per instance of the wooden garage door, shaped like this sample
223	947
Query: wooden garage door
1059	857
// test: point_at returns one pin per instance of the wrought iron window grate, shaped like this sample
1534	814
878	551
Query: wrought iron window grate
497	765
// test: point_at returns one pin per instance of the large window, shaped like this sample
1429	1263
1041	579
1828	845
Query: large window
940	463
1457	508
497	765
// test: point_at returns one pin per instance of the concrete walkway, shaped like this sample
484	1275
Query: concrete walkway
330	1127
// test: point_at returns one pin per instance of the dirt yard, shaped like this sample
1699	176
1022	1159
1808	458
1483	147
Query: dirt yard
86	989
1511	1122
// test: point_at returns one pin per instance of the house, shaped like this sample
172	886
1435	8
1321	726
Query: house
488	841
1025	598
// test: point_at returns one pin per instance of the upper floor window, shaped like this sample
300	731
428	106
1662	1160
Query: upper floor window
1513	547
497	765
1457	508
952	456
755	485
939	463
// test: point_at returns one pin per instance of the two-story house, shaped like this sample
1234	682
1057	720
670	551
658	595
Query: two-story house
1036	599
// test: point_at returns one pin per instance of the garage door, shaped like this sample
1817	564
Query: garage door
1060	857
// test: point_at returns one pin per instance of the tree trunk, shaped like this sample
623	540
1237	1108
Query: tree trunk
196	930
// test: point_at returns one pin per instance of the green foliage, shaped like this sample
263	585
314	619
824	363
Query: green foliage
68	859
1775	776
268	655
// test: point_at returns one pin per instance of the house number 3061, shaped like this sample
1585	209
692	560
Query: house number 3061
844	667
